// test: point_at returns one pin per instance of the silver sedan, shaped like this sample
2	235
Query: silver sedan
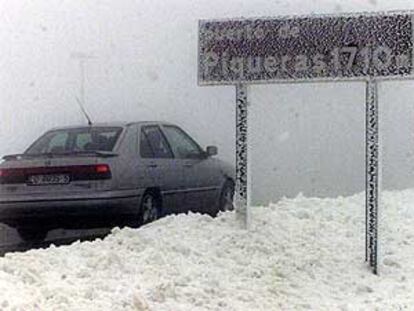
110	174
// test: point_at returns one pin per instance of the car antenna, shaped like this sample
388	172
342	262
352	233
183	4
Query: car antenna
84	111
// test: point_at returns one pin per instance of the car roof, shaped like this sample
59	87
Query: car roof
112	124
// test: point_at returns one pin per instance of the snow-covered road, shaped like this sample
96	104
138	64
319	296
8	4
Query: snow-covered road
300	254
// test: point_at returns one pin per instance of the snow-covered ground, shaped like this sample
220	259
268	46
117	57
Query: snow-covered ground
300	254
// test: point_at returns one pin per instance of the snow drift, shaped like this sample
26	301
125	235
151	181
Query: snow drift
300	254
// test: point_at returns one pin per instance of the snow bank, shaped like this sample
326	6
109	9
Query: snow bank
300	254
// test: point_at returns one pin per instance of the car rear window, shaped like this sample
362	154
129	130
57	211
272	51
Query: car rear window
76	140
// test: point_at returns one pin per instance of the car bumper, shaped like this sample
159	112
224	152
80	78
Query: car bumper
103	205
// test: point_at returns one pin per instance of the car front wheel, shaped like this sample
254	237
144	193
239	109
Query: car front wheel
226	197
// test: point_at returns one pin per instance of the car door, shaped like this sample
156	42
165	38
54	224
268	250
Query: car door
201	173
158	160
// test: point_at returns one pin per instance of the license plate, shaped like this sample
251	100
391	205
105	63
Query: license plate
51	179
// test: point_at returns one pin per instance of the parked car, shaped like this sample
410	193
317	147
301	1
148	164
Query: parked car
110	174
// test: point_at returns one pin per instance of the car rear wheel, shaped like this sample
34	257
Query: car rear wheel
149	209
32	234
226	197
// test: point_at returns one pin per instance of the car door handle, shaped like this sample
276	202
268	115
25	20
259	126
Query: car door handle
152	165
188	164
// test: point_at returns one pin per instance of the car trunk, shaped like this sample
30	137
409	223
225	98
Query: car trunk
54	176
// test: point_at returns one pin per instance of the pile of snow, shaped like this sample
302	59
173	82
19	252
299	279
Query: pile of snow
300	254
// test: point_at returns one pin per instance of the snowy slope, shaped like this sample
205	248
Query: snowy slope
300	254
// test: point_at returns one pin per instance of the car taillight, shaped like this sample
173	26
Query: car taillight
9	172
11	175
102	168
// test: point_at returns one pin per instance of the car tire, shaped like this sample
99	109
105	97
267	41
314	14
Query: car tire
32	234
226	197
150	208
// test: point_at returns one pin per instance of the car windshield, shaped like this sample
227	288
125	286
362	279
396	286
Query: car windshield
87	139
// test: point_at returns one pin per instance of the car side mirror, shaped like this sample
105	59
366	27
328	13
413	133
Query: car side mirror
211	151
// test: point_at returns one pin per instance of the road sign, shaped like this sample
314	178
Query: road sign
364	47
305	48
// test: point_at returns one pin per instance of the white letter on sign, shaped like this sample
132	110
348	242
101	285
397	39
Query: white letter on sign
301	63
254	64
237	66
270	64
211	60
319	65
382	57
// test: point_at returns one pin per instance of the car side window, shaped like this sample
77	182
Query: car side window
153	143
145	149
183	146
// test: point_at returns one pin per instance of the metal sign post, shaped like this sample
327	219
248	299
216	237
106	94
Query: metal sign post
241	155
372	187
303	49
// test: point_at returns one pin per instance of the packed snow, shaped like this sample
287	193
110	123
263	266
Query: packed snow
299	254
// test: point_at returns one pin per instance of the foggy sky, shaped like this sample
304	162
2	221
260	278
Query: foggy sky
143	66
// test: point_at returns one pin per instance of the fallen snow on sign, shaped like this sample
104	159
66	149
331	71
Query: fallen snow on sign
300	254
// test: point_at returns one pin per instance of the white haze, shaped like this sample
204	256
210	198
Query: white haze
307	137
